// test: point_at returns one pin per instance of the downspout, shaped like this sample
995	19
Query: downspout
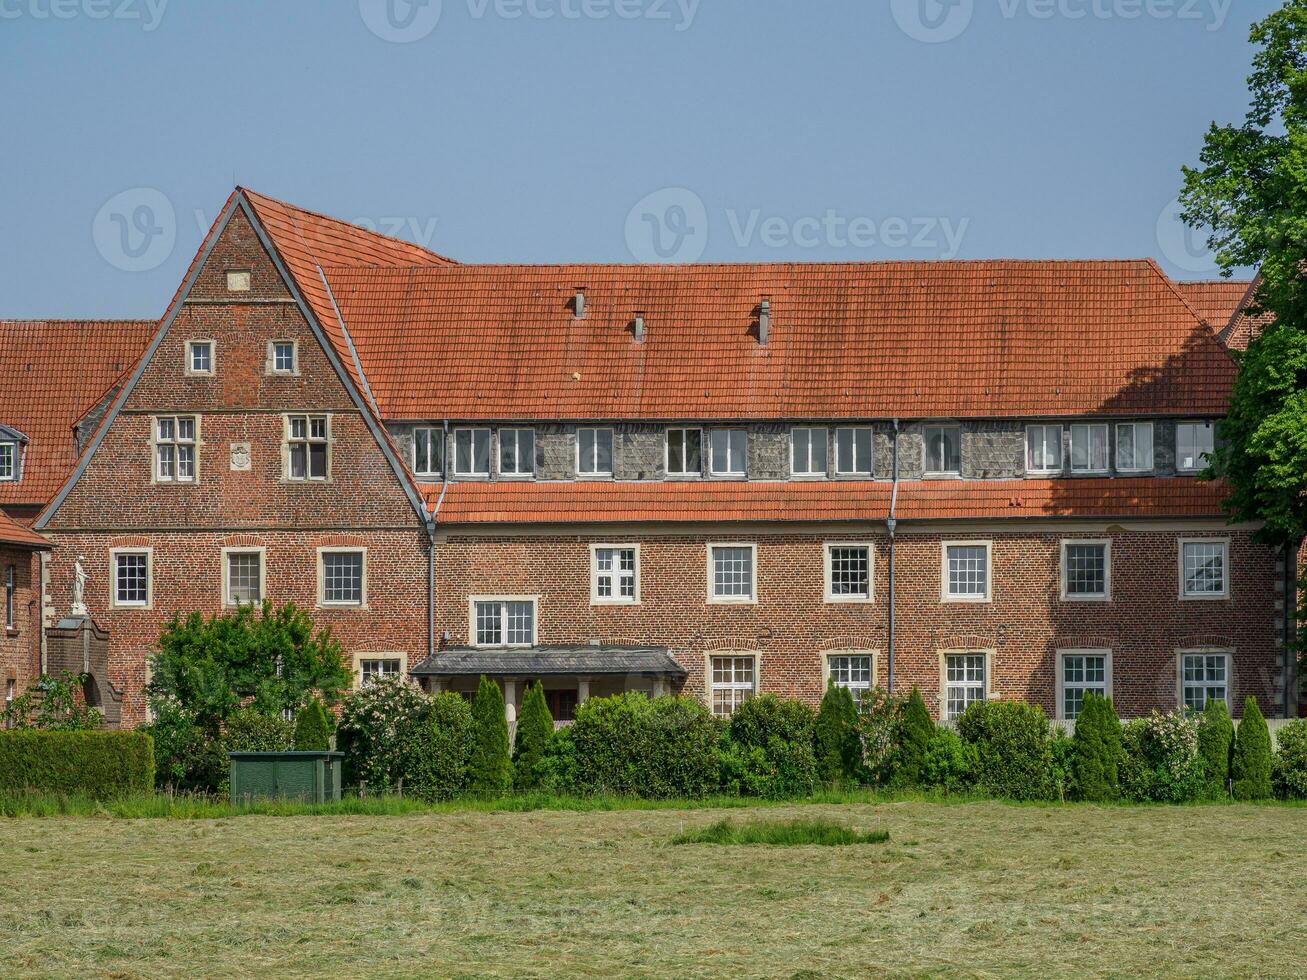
891	524
431	532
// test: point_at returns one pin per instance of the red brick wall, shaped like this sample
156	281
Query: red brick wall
19	646
1143	624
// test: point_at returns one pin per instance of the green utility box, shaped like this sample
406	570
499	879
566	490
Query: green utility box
313	777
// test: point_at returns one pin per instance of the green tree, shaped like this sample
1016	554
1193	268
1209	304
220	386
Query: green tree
274	658
1216	745
535	727
838	748
1251	769
53	703
1096	749
490	773
915	733
313	728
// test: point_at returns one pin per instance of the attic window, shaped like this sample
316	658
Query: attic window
8	461
578	305
238	280
764	321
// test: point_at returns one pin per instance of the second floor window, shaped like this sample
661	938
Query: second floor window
283	357
342	578
1089	449
731	573
808	452
306	445
131	578
428	451
943	450
1085	570
471	452
684	452
728	452
244	578
615	575
517	452
504	622
966	572
1203	572
594	452
200	357
853	451
8	460
175	448
848	572
1043	449
1194	441
1134	447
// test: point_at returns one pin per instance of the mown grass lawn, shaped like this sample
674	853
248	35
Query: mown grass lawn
977	888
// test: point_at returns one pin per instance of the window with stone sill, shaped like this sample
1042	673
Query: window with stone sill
308	447
174	438
964	675
373	669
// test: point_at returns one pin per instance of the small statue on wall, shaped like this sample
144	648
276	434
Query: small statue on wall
79	588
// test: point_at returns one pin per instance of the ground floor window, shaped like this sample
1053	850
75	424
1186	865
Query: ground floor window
562	704
851	670
1082	673
733	681
964	682
374	668
1204	677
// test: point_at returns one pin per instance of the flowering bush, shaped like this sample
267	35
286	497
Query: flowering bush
1290	769
880	718
381	730
1162	763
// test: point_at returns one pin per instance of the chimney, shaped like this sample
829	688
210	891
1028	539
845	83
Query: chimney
578	307
764	321
638	328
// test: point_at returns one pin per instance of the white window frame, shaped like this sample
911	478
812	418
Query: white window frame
1087	428
1062	685
1106	543
176	443
270	367
829	564
1151	461
323	602
858	468
986	682
716	600
309	440
729	435
612	451
514	435
114	602
824	441
393	656
10	449
226	554
1188	596
502	601
1202	463
711	687
191	369
683	472
925	448
435	439
826	673
1043	430
1225	652
615	598
944	594
472	432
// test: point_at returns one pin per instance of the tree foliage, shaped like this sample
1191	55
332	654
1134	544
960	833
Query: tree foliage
1251	769
54	703
490	772
535	728
915	732
839	750
1216	745
1096	749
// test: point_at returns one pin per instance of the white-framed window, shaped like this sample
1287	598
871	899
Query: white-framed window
8	460
852	669
1134	447
131	574
343	576
1204	568
1194	441
849	567
615	574
594	452
174	448
1081	672
428	452
684	452
965	682
1086	570
731	573
307	447
471	452
503	621
1043	449
373	667
853	451
242	576
11	593
965	571
1089	448
808	452
199	357
517	452
1203	675
283	357
728	452
943	450
732	680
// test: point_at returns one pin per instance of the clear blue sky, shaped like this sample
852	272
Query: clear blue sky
806	130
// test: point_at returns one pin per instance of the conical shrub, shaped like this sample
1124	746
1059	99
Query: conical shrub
1096	749
1251	769
535	726
489	770
313	728
1216	745
836	741
915	732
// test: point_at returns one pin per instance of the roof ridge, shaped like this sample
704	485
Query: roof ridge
800	264
108	319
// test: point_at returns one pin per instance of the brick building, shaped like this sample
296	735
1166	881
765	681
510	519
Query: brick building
979	478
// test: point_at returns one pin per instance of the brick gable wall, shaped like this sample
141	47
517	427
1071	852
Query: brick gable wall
19	646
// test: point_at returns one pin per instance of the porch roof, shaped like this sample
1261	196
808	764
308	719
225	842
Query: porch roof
550	662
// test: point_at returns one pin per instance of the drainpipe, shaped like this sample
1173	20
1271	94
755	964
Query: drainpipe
431	532
891	524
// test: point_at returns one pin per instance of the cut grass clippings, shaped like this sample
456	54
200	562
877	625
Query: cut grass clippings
799	832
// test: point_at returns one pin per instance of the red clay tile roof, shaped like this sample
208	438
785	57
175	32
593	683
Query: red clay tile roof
594	502
1243	326
911	339
56	371
13	533
1215	300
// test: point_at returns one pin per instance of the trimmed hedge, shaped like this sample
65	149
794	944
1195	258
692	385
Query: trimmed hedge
770	749
636	745
1014	749
437	768
101	765
312	728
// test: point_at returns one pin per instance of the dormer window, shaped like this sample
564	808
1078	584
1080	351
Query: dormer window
199	357
8	461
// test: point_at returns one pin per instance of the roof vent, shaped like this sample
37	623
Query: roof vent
637	328
578	306
764	321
